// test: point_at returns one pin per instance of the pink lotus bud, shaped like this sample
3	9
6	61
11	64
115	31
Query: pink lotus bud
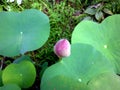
62	48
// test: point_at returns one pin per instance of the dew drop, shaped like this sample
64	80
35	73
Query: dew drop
21	33
61	61
92	62
20	74
79	80
105	46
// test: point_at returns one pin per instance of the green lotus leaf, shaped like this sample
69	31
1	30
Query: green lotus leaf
84	63
22	31
22	74
105	37
105	81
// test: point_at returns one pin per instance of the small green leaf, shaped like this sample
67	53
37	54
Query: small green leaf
1	78
107	11
90	11
88	18
22	74
10	87
99	16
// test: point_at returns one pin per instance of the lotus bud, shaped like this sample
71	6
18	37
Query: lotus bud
62	48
